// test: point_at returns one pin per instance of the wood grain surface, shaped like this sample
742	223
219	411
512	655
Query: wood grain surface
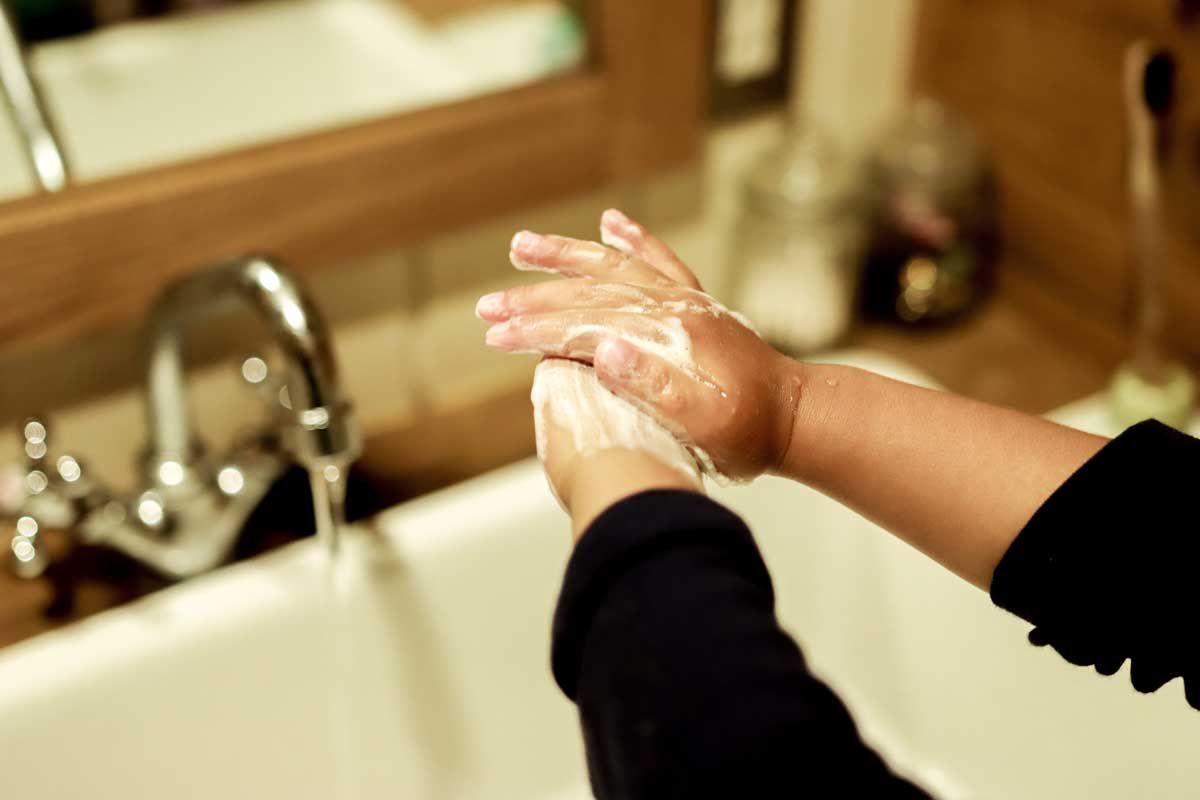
1042	81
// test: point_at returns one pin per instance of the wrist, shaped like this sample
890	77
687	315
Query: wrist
790	413
601	480
809	399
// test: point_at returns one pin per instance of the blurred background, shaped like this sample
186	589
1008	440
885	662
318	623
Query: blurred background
941	181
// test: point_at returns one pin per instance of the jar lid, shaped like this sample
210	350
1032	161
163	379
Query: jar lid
803	176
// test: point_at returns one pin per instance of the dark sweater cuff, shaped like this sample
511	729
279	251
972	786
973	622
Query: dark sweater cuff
1106	566
639	527
1077	540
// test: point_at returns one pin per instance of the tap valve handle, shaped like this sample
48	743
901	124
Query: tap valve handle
27	550
35	442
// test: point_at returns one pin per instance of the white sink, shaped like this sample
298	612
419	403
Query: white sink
435	683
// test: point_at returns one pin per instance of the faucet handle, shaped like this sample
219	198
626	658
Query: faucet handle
28	557
51	486
41	467
35	441
35	473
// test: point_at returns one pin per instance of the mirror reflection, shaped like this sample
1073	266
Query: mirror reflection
131	84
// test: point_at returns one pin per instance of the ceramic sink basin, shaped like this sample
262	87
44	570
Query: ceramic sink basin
420	668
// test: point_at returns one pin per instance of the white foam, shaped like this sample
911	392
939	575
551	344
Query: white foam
526	266
665	338
616	241
570	395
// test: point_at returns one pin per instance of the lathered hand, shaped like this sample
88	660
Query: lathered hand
636	312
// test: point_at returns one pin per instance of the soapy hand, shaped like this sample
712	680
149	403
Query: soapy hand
597	448
636	312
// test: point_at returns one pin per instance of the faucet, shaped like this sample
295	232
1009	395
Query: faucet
25	101
191	508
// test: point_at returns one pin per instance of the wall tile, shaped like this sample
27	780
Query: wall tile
477	257
455	365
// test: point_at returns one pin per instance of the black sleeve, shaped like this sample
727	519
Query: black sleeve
1107	568
665	637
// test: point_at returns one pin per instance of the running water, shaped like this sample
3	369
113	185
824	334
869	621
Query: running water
328	484
329	507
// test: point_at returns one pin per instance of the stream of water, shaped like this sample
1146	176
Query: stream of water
329	507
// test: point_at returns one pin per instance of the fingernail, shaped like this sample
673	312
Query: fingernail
615	357
490	306
502	336
523	240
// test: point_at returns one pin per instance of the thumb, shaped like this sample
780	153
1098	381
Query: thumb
652	384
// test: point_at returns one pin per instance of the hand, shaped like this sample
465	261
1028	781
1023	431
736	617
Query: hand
637	313
598	449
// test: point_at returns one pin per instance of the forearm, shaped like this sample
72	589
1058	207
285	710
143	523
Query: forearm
666	638
955	478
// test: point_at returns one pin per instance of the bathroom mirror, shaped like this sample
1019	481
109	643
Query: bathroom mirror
324	130
134	84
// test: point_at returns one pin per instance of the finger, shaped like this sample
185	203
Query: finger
574	334
572	293
622	233
575	258
670	395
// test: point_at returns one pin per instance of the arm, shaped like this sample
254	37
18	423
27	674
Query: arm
1106	567
1081	537
955	478
665	633
665	636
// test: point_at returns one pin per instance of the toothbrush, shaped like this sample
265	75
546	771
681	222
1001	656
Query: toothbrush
1150	384
1149	94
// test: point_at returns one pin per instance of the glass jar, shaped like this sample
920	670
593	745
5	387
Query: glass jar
795	255
933	239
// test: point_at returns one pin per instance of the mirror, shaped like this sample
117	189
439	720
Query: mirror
133	84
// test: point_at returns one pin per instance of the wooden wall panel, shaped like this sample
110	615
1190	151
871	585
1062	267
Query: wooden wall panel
657	66
1042	81
94	256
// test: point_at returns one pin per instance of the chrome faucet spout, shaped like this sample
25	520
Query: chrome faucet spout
319	426
42	146
190	509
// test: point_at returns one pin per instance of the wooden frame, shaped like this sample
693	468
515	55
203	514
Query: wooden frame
92	257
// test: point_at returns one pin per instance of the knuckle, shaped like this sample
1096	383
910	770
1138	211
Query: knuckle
560	248
660	382
671	404
618	262
519	297
580	292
